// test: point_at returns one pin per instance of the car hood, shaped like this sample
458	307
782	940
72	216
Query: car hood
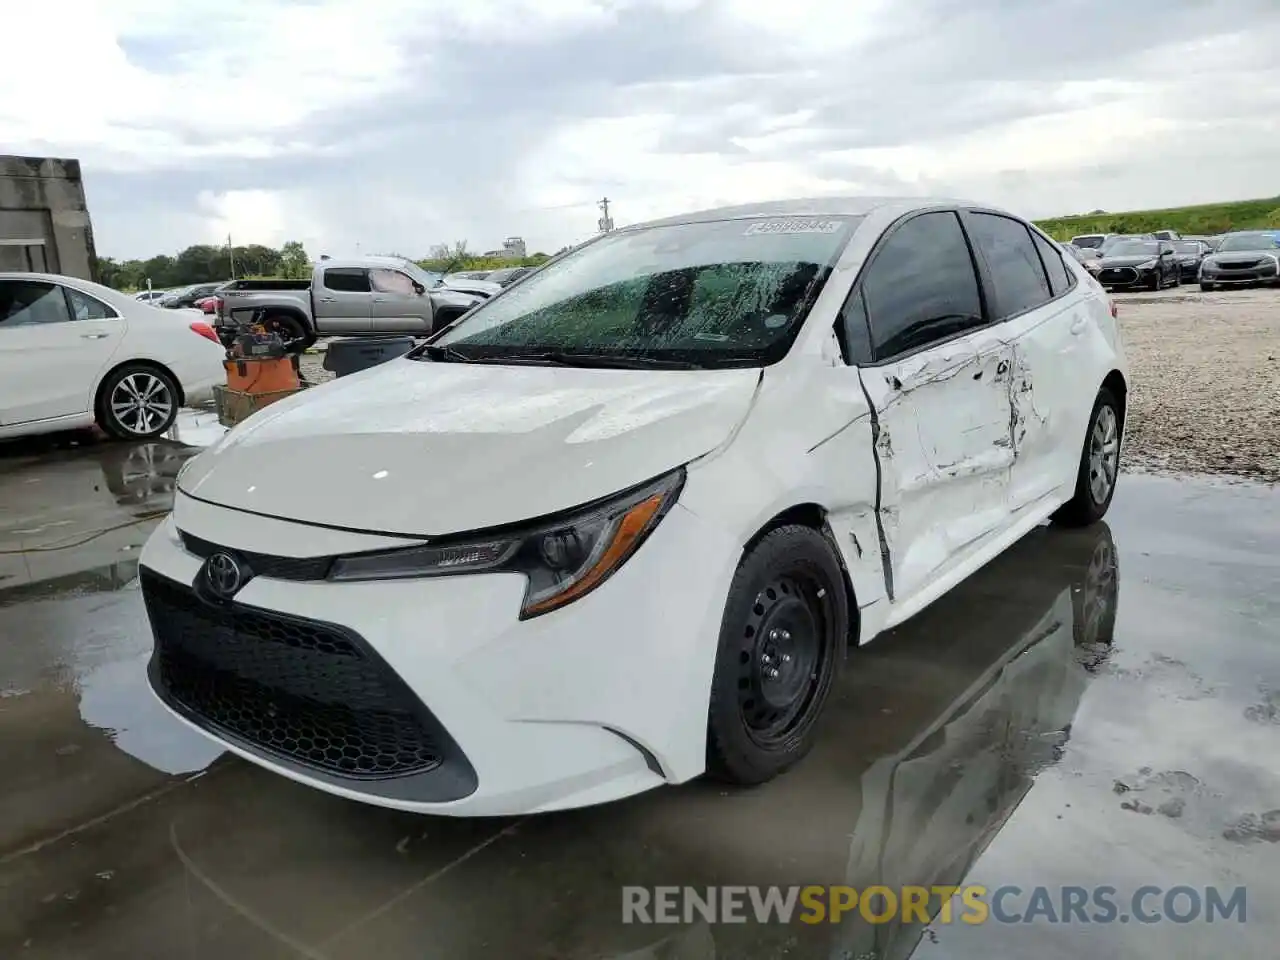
447	297
483	287
1242	255
1126	261
421	449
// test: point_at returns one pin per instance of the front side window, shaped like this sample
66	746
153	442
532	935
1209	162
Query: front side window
85	307
347	280
391	281
728	292
920	286
1016	271
26	303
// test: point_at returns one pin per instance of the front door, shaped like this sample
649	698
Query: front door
342	301
397	304
54	343
938	383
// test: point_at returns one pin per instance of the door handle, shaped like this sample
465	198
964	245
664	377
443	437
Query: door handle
94	336
1078	325
328	299
379	299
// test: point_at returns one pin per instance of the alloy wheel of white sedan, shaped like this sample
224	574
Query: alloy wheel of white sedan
139	403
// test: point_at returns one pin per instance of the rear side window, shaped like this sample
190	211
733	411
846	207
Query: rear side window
1059	279
85	307
921	286
1016	272
26	303
347	280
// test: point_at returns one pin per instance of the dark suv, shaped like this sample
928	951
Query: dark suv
1134	264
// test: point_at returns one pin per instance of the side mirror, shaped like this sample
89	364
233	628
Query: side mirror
418	288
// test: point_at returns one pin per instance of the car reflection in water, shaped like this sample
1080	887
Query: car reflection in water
930	809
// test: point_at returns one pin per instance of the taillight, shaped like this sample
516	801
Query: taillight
205	331
1115	311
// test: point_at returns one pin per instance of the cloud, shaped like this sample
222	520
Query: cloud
397	124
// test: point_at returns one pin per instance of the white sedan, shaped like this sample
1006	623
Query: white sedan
75	353
620	525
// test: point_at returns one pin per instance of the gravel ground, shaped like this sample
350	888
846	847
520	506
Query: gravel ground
1205	371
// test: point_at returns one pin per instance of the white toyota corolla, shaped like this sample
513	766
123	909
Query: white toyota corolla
620	525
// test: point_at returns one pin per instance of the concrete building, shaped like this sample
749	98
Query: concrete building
44	223
513	248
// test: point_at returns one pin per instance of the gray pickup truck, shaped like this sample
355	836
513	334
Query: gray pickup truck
351	298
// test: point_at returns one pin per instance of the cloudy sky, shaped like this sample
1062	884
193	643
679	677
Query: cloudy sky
393	125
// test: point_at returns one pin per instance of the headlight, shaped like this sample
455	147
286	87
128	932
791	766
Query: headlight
1149	265
562	558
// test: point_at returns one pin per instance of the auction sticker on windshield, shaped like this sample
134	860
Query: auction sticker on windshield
792	225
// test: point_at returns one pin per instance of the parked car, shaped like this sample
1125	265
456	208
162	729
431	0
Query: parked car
508	275
1242	258
1189	254
187	296
1130	264
371	295
619	530
150	296
74	353
1166	235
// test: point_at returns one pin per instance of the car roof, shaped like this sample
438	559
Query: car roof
810	207
111	296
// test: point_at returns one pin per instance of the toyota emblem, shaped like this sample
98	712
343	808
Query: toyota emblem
223	574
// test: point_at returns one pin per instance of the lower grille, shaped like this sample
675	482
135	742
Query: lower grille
1118	275
301	690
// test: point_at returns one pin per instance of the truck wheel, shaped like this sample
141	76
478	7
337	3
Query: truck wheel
287	327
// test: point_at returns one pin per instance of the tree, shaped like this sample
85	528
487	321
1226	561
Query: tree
294	263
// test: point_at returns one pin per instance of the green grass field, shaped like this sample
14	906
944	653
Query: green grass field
1211	218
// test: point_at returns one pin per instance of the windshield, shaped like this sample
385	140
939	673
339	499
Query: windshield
427	278
1182	246
1249	241
1090	241
1134	248
727	292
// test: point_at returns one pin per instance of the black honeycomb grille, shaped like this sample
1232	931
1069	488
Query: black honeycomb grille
294	688
264	564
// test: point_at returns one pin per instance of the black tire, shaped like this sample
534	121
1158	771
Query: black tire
1157	282
1087	505
289	329
1206	287
785	626
137	402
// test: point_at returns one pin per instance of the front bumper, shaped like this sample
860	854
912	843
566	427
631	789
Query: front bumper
1125	278
452	705
1262	273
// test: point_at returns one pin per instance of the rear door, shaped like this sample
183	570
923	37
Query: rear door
1030	295
343	301
397	305
54	344
938	384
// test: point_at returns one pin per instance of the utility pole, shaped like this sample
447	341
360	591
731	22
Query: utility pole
605	222
231	253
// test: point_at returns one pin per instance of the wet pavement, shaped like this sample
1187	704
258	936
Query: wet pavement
1094	708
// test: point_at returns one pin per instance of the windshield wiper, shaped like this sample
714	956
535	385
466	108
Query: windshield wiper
558	358
445	354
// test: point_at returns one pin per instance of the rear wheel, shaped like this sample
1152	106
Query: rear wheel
1099	465
785	622
137	402
1206	287
286	326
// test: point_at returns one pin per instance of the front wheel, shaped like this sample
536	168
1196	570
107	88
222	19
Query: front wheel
137	402
1206	287
1099	465
785	623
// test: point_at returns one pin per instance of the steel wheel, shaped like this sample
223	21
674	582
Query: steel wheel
1104	454
780	659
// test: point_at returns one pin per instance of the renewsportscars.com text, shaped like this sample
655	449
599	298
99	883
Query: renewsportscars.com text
971	904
